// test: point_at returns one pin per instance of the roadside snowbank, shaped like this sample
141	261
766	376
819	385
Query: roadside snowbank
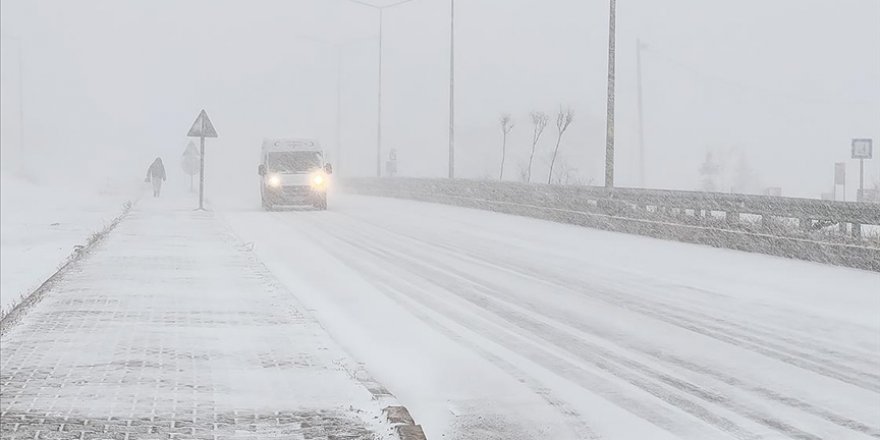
42	222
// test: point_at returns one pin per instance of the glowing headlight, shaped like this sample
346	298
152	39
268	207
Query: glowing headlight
274	181
318	179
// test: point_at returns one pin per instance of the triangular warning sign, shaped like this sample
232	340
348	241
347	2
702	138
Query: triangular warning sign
202	127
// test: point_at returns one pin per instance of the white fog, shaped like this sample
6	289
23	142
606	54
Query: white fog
723	284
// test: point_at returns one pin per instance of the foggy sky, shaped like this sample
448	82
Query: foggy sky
112	84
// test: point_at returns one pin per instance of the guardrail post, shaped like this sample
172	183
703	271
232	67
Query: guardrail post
806	224
841	227
732	217
857	230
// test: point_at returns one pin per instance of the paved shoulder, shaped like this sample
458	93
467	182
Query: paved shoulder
173	329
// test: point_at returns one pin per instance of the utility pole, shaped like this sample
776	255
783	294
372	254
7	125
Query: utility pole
451	89
339	47
381	9
639	47
609	117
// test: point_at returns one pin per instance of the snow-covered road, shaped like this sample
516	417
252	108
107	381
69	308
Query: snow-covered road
494	326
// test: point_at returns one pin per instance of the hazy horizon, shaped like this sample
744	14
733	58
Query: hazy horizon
109	85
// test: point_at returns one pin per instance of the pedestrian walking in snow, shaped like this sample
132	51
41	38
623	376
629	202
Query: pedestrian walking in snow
156	175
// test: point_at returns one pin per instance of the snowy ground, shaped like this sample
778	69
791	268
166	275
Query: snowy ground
490	326
41	223
172	328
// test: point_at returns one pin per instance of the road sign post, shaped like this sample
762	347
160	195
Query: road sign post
190	162
862	149
202	128
840	178
391	166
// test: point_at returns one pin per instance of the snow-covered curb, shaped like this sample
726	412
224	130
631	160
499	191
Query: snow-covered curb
394	413
20	307
399	417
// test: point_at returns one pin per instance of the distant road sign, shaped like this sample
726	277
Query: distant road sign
840	173
190	164
202	127
191	150
773	191
862	148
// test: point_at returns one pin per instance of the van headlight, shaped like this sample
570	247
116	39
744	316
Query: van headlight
318	179
274	181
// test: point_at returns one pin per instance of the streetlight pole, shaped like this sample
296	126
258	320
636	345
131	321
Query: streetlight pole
451	89
639	47
609	117
339	46
379	118
21	144
381	9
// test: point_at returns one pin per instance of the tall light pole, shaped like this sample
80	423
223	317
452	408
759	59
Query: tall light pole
451	89
639	47
21	144
379	101
381	10
609	117
339	52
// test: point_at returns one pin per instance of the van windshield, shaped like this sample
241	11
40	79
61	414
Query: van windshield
293	161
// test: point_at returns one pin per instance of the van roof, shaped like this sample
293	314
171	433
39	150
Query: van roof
291	144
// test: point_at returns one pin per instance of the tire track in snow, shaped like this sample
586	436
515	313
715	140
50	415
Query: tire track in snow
563	367
495	293
550	362
709	326
572	416
805	339
614	364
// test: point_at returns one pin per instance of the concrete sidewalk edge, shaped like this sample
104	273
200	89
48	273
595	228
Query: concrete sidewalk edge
395	414
400	418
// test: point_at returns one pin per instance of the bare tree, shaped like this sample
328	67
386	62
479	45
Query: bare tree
539	120
563	120
565	174
506	125
709	171
523	171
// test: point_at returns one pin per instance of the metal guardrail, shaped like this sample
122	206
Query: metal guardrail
789	207
664	214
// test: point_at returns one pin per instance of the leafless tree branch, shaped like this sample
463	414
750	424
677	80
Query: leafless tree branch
539	121
507	125
563	120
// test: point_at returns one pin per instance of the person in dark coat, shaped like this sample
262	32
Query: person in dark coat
156	174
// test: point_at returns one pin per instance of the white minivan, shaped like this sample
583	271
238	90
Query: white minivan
293	173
